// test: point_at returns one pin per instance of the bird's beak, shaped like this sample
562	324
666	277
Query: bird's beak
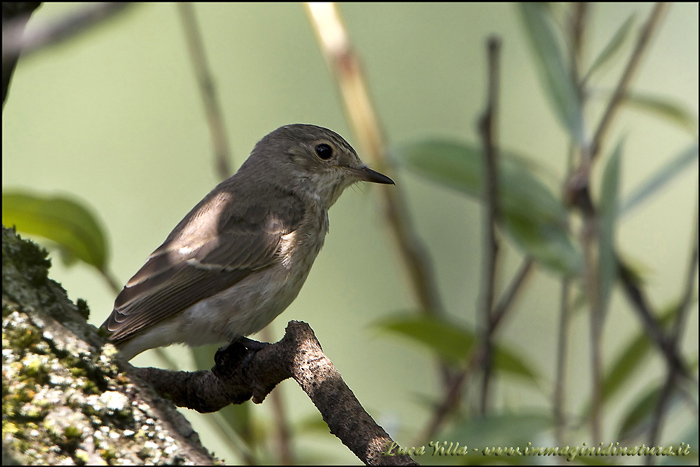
366	174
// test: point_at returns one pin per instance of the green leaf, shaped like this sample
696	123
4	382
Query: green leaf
637	419
633	357
553	68
448	340
453	342
547	243
613	46
501	430
675	112
607	260
661	178
67	222
512	363
459	165
532	215
454	164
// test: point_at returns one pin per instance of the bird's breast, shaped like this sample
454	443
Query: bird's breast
298	249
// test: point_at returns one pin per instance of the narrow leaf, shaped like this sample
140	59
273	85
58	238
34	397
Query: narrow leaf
674	112
453	342
548	243
661	178
448	340
609	195
67	222
636	420
553	69
460	166
613	46
533	216
632	358
498	431
513	363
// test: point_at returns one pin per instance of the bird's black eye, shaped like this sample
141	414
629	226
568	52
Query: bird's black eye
324	151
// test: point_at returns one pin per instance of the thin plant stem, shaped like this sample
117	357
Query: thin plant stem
596	324
488	129
563	333
345	65
475	357
207	90
672	374
48	33
222	156
511	293
578	23
279	412
579	184
625	81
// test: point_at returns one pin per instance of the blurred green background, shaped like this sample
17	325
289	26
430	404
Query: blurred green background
115	118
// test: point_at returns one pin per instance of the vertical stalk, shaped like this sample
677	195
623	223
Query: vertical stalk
487	129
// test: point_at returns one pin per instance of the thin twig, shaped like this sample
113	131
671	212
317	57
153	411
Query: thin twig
15	15
488	130
345	64
578	22
475	357
590	276
579	193
559	399
222	156
279	413
673	372
509	296
579	181
639	300
207	89
690	281
588	239
623	85
51	32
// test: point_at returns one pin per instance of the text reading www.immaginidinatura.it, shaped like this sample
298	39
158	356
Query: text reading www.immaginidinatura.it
444	448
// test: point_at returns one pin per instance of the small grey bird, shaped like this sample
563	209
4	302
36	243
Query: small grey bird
240	257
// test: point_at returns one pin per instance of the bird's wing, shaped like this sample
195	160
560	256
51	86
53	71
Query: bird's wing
201	258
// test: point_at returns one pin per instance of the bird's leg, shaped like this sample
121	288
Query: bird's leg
252	344
239	352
